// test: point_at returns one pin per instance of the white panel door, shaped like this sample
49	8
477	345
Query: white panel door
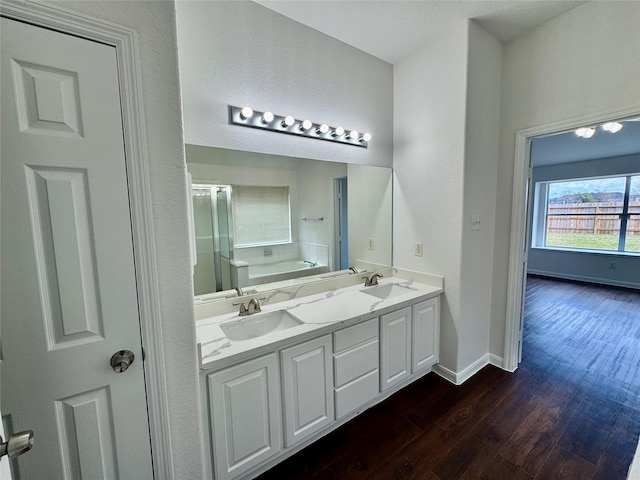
395	347
68	289
425	334
307	377
246	422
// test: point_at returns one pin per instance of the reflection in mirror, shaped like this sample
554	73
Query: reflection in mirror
262	221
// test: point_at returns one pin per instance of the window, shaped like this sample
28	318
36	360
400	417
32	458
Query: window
588	214
261	215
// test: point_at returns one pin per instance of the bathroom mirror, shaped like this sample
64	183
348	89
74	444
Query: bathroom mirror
264	220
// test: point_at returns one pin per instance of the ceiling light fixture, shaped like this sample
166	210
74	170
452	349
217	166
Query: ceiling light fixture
612	127
586	132
247	117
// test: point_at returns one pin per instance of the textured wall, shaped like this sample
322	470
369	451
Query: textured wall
429	136
482	132
241	53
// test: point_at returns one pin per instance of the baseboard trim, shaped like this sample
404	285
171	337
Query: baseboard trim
585	278
458	378
496	361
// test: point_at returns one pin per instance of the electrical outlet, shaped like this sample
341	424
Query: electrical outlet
475	222
370	243
418	250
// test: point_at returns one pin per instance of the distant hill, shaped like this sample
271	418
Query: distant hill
600	197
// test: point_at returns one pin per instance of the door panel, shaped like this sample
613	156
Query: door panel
395	347
67	278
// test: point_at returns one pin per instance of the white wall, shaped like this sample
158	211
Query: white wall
586	266
315	181
482	132
370	196
241	53
155	24
583	62
447	99
429	137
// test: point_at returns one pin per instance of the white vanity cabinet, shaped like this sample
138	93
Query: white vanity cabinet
264	409
246	420
356	365
307	384
425	334
395	347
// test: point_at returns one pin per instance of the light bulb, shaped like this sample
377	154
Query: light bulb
354	134
246	112
612	127
267	117
306	125
322	129
338	132
288	121
585	132
366	137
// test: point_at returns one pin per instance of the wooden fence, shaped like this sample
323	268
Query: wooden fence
592	218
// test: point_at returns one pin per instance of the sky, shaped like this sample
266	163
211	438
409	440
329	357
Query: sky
597	185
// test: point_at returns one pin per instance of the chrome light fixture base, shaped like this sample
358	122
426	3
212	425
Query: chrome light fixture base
248	117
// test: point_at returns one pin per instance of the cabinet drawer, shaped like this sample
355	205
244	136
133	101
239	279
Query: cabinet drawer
351	336
352	395
354	363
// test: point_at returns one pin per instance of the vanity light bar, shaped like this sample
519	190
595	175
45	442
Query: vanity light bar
247	117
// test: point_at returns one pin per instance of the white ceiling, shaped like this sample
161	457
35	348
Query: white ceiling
568	147
393	29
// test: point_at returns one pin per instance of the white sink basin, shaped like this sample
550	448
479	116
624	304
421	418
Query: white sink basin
258	325
386	291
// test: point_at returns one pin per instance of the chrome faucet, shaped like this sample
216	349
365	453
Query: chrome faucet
372	280
353	269
239	291
252	307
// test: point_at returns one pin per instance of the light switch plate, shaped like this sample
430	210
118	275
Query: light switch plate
475	222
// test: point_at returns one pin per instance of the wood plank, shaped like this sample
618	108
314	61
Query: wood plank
571	410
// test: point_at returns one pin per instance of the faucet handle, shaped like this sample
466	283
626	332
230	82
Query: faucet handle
243	308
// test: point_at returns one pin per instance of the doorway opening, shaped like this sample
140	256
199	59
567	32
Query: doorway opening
341	227
524	210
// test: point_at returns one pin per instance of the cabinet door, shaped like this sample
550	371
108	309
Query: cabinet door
425	334
395	347
244	401
308	388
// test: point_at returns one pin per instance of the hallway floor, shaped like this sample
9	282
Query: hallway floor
572	409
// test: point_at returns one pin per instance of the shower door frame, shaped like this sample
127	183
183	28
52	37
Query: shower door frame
217	261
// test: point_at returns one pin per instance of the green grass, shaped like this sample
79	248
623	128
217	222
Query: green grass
591	241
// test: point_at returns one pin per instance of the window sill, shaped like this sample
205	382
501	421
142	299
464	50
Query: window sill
258	245
587	251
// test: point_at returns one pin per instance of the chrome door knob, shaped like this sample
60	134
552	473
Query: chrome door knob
17	444
121	360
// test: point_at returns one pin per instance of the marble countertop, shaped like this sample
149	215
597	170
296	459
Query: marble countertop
318	313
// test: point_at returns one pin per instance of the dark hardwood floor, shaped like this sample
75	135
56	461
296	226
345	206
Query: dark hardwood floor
572	409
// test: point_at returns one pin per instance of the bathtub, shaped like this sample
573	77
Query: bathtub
248	275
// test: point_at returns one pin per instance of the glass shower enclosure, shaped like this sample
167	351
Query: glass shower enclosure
214	238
